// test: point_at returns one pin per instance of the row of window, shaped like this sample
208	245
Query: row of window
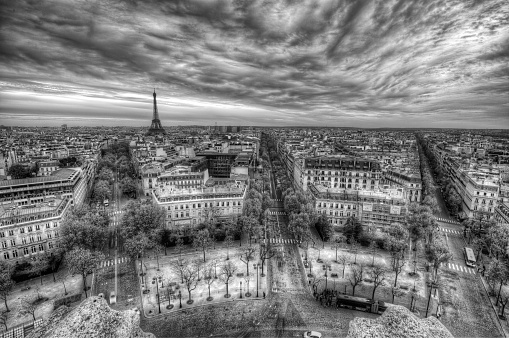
193	213
342	173
29	228
27	250
337	205
316	179
205	205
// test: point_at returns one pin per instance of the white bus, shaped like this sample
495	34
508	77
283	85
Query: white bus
106	203
469	257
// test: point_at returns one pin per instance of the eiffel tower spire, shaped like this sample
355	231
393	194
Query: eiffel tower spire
155	128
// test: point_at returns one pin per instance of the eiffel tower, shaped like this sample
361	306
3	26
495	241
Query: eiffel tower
155	128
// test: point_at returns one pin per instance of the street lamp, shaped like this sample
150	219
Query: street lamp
156	282
180	299
325	277
240	289
256	265
432	285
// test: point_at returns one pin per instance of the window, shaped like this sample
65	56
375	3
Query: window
14	253
4	244
21	230
41	247
25	251
31	239
11	232
50	245
49	234
34	249
6	255
30	229
39	238
37	227
13	242
24	240
2	234
47	225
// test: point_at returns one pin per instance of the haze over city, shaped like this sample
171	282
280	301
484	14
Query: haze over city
267	63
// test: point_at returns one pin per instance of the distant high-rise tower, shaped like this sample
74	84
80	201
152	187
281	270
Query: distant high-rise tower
155	128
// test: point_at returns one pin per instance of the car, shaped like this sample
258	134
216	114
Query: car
312	334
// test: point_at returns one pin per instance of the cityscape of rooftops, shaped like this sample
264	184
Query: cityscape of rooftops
254	168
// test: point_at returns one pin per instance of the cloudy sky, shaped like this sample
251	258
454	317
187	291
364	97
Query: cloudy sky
378	63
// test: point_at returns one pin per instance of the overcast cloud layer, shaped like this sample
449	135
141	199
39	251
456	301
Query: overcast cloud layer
246	62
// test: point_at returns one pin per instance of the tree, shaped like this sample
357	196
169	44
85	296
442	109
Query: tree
102	191
397	266
85	227
179	245
356	277
498	272
106	174
27	306
178	266
209	274
61	277
228	240
142	217
202	240
343	259
414	297
18	171
503	303
128	186
396	292
3	320
38	266
354	247
84	262
190	277
246	256
432	203
324	227
337	242
227	270
372	247
378	275
437	253
266	252
353	228
6	282
137	246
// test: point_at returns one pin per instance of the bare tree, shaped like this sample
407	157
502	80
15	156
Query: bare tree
373	246
197	265
397	267
246	256
227	271
179	245
190	278
356	277
354	247
343	259
27	306
228	240
208	276
378	275
315	282
414	297
178	266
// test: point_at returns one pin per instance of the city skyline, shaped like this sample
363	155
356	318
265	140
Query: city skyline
273	63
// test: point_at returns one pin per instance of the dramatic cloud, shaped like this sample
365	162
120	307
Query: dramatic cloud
376	63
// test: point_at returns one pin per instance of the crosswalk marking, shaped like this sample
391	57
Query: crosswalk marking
451	231
278	213
446	220
111	213
278	200
461	268
111	262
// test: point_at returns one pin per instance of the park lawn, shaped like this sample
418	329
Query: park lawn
467	309
49	290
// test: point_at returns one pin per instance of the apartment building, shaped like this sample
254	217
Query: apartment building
28	230
187	207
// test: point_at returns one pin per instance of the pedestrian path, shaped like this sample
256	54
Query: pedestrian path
114	224
110	262
280	213
282	241
450	231
443	220
458	267
111	213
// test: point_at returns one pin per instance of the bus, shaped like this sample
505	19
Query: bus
469	257
106	203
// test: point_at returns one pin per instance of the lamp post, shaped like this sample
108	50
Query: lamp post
256	265
241	290
432	285
180	299
325	277
154	280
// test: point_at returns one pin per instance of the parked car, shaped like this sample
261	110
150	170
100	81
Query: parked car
312	334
